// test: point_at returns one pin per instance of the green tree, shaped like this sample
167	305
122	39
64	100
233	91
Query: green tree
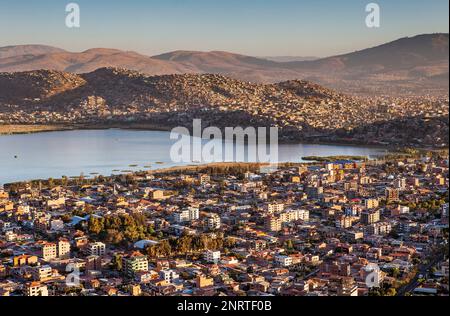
95	225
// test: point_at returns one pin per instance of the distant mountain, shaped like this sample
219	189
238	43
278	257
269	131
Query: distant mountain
416	65
21	50
90	60
286	59
403	54
217	61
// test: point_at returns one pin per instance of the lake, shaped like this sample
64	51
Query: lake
106	152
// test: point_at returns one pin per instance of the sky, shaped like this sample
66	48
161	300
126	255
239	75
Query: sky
251	27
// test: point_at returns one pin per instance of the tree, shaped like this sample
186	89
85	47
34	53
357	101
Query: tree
95	225
395	272
391	292
114	236
116	262
289	245
131	233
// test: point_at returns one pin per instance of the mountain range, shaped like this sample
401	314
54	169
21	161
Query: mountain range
414	65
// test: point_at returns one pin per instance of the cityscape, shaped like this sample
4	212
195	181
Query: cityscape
360	209
307	229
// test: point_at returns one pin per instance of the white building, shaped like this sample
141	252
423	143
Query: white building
275	208
213	221
284	261
403	209
294	215
169	275
36	289
42	273
63	249
96	249
187	215
400	183
212	256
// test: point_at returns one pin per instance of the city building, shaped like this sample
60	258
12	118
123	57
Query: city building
96	249
134	262
212	256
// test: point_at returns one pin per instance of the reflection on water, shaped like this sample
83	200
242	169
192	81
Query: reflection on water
70	153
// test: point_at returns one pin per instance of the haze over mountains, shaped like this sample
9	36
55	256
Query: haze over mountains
416	65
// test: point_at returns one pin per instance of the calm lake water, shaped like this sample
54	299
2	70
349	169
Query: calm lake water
106	152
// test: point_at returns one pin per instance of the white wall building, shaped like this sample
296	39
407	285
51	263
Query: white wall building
169	275
187	215
212	256
96	249
284	261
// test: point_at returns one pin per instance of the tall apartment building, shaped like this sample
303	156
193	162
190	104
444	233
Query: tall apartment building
400	210
343	221
370	217
169	275
93	263
187	215
212	256
36	289
41	273
135	262
213	221
400	183
273	223
378	229
365	180
371	203
63	249
96	249
275	208
351	186
48	251
294	215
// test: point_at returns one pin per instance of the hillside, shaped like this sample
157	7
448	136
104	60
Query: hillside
23	50
302	110
419	63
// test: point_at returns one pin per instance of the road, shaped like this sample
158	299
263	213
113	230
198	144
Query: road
423	270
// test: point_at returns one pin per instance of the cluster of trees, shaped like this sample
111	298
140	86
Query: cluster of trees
188	244
383	291
433	206
51	183
119	229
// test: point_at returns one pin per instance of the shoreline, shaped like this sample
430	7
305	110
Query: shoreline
23	129
176	169
8	130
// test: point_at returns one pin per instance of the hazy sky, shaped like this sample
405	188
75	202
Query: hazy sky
252	27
